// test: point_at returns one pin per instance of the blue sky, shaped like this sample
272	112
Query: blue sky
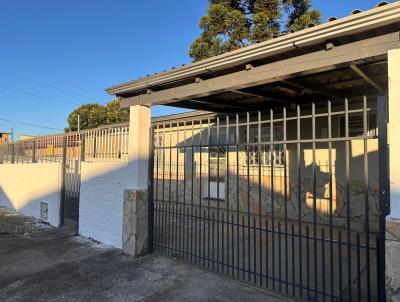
82	47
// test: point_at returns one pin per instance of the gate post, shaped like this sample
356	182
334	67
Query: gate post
383	191
139	159
139	146
392	243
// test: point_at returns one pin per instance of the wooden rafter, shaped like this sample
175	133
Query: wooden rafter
367	78
312	89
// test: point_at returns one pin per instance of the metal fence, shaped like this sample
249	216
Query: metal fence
105	143
282	199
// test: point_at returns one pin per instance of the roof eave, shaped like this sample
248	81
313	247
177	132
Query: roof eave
374	18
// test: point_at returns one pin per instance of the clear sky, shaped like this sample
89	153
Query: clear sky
71	50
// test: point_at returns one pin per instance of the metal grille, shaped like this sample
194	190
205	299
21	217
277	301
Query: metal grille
71	181
282	199
106	143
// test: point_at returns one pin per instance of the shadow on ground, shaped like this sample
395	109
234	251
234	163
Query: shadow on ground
39	263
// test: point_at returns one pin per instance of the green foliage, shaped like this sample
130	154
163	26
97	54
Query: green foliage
232	24
95	115
311	17
115	114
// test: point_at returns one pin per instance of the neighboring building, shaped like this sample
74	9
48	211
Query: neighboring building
4	137
24	137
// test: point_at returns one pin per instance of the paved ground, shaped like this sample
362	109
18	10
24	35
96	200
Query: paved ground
40	263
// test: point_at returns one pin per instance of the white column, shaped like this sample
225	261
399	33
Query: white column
139	146
392	244
394	130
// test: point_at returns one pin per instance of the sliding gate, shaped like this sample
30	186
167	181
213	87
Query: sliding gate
288	200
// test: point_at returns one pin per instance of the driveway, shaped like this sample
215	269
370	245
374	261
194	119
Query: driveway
41	263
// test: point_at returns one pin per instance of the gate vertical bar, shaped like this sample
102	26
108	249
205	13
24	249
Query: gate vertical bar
366	197
331	238
383	190
348	206
150	217
299	200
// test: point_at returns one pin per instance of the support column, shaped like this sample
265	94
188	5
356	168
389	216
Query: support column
139	146
393	220
135	210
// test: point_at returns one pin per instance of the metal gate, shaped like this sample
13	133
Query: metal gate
288	199
71	180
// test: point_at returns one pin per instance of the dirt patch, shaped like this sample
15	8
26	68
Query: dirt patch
13	223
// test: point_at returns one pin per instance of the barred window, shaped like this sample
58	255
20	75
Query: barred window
159	151
217	146
356	125
261	154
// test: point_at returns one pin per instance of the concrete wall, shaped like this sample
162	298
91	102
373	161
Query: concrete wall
393	221
101	200
24	187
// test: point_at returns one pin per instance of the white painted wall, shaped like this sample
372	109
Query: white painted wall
101	200
394	130
24	186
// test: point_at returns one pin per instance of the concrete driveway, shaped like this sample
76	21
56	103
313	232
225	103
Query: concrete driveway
40	263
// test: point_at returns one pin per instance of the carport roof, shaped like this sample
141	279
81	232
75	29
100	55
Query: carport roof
371	33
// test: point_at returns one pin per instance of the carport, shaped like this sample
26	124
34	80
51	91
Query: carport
323	94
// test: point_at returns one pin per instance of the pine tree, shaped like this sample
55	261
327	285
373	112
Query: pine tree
232	24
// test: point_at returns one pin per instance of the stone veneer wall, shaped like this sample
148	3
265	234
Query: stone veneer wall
135	223
393	260
167	190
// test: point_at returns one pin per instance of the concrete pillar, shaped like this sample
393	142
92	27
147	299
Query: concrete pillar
393	221
134	225
139	146
135	228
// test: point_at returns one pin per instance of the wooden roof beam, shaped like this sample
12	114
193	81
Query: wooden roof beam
367	78
308	87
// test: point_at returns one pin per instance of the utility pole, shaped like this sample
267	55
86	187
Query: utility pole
79	122
12	134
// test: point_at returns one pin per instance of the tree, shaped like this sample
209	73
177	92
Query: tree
232	24
95	115
115	114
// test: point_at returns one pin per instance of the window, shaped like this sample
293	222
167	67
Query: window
262	155
356	125
217	148
215	189
159	151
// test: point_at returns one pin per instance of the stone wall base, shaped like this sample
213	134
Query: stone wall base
393	260
135	223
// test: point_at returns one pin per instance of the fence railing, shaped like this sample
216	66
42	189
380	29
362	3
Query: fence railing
106	143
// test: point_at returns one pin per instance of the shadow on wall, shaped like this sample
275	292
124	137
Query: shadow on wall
249	188
31	189
25	187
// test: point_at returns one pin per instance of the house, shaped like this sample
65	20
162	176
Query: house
4	137
24	137
286	183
